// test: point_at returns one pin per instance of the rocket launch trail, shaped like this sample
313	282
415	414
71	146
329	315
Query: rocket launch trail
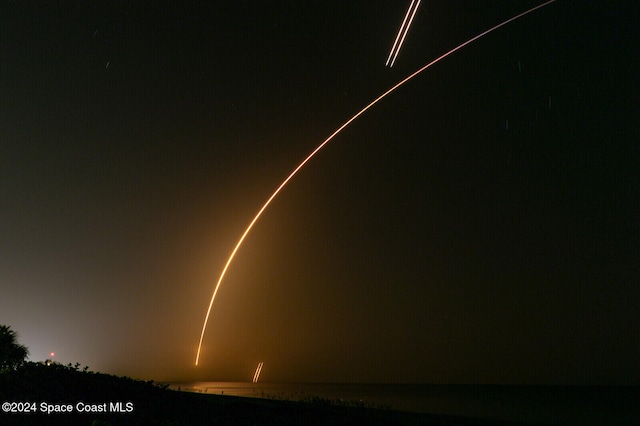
326	141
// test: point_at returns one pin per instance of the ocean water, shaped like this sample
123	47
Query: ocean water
593	405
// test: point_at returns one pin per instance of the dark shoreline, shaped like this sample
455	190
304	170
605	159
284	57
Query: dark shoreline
67	386
525	404
125	401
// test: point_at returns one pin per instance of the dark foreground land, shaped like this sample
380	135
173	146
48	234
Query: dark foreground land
113	400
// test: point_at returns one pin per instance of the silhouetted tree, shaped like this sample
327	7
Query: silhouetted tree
12	354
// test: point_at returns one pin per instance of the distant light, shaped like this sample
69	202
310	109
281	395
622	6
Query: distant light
52	354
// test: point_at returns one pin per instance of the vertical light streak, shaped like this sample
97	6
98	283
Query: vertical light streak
404	34
395	43
256	375
326	141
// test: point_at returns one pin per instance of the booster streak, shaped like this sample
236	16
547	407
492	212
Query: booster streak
402	33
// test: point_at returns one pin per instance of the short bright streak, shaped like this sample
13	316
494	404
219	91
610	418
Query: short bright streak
256	375
402	33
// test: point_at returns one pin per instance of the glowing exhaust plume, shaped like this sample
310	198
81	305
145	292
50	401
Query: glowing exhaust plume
322	145
256	375
402	34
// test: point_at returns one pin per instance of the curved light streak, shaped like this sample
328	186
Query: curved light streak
326	141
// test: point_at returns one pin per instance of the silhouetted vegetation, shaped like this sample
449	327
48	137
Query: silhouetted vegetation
110	400
12	354
155	404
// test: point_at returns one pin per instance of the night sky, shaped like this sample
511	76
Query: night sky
479	225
